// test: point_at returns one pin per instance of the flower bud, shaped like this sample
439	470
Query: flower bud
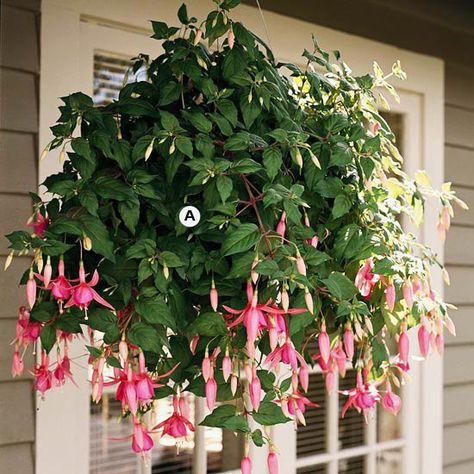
231	38
86	243
308	300
211	393
47	273
403	347
349	343
197	37
300	265
226	366
324	344
272	462
390	296
233	384
407	290
214	296
285	299
246	465
31	290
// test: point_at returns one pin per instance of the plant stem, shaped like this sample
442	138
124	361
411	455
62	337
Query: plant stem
253	203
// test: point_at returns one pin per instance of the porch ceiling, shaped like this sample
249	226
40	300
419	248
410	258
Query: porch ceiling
435	27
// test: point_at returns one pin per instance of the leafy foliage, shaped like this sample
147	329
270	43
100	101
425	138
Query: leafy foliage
283	169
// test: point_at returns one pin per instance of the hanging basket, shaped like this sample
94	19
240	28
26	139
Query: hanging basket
214	222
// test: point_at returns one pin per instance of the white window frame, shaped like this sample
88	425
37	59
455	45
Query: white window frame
62	425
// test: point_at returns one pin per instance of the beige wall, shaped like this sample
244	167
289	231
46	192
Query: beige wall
459	359
19	69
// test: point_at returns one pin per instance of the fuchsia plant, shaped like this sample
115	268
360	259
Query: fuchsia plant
299	257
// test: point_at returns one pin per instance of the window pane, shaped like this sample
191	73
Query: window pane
311	439
320	469
352	426
109	73
352	466
389	462
224	450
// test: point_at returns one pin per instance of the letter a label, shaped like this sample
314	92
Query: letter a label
189	216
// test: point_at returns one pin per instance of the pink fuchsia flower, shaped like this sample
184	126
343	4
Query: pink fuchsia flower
226	365
424	339
324	345
141	440
42	375
206	366
177	425
313	241
246	465
407	290
17	364
31	290
349	342
300	265
287	354
60	286
255	389
281	226
403	346
295	405
391	401
390	296
211	393
83	293
272	461
365	280
363	397
62	372
213	296
40	224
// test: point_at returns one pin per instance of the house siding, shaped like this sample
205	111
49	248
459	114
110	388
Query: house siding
459	256
19	79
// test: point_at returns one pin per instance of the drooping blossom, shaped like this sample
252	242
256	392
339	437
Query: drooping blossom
256	316
177	425
407	290
255	389
226	365
391	401
213	296
17	364
294	405
83	293
424	338
31	290
246	465
281	226
39	224
42	375
324	344
349	342
362	397
365	280
390	296
60	286
313	241
403	346
272	461
141	440
211	393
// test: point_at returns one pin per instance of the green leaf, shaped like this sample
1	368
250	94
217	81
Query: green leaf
145	336
102	319
225	416
224	186
88	199
272	160
198	120
82	147
269	413
267	268
155	311
121	154
97	231
257	438
246	165
240	239
112	188
342	205
44	311
228	110
340	286
183	14
208	324
171	259
185	146
48	337
130	213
